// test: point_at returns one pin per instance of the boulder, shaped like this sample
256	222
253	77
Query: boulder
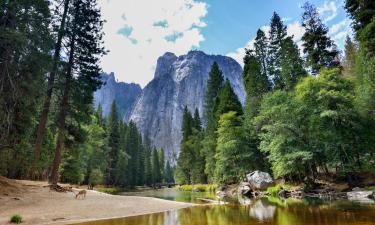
360	195
244	188
259	180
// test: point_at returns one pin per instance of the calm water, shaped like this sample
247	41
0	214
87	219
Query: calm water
270	211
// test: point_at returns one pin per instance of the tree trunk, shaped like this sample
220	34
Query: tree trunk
64	107
50	84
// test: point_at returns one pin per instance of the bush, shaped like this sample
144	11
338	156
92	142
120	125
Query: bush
96	177
16	219
274	191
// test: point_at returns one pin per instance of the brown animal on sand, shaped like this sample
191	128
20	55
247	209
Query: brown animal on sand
81	193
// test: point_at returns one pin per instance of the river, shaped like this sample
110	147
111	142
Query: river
265	211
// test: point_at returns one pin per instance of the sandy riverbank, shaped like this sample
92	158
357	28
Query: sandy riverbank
38	205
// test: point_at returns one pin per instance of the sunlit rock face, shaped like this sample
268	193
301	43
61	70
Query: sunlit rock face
124	94
179	81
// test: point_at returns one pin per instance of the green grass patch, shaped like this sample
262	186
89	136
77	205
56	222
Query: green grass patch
109	190
16	219
274	191
197	187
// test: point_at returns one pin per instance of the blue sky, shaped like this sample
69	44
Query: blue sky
139	31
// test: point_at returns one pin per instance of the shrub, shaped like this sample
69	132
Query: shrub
16	219
273	191
197	187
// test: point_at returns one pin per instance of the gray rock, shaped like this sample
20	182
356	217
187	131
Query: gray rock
244	188
125	95
259	180
360	195
179	82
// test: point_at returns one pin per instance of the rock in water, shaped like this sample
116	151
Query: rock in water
259	180
179	82
360	195
124	94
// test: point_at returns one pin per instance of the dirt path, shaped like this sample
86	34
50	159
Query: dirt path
38	205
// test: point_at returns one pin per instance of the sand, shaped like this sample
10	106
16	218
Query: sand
38	205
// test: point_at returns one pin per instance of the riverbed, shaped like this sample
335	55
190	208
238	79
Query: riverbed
264	211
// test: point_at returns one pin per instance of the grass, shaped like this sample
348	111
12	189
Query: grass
109	190
16	219
197	187
274	191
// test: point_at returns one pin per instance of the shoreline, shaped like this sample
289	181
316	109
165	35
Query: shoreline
38	205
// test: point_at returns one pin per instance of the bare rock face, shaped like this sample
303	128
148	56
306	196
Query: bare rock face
179	81
125	95
259	180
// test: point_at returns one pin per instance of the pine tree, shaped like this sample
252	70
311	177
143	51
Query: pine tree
197	124
256	85
131	147
113	144
162	163
148	164
214	84
351	54
85	49
291	65
25	46
141	162
261	48
50	84
232	156
156	176
187	124
228	101
168	176
276	39
320	50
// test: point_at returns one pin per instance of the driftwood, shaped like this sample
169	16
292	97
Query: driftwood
59	188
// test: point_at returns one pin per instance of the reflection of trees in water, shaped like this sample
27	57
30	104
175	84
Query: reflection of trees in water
262	210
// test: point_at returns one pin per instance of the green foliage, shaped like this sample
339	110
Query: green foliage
16	219
156	176
274	191
96	177
320	50
228	101
168	175
113	144
232	156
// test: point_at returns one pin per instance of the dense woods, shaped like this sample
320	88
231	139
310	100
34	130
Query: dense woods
49	69
307	114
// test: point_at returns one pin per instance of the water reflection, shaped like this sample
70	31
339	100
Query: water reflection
263	212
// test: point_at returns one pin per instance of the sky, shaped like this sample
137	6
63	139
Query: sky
137	32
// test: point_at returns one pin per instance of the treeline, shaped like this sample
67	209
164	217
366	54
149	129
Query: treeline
305	116
49	70
115	154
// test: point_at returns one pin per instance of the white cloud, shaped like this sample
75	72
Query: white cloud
138	32
340	30
328	11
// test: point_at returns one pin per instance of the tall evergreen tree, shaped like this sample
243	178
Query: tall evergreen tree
277	36
291	64
351	54
156	176
148	164
228	101
261	50
51	80
113	144
214	84
85	49
168	176
232	157
162	163
320	50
